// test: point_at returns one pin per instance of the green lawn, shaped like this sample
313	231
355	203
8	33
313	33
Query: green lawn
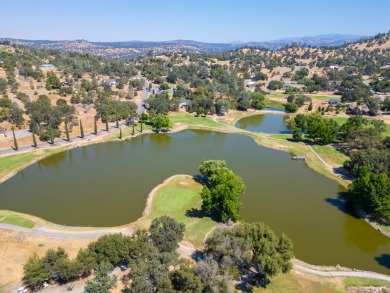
306	283
180	195
341	120
14	161
296	282
190	119
276	95
16	220
330	154
364	282
323	98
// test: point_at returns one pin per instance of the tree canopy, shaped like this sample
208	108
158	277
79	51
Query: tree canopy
221	191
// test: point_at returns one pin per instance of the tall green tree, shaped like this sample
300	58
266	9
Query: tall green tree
103	282
95	126
51	134
67	130
107	127
81	129
116	119
120	133
372	192
221	194
16	147
166	233
34	139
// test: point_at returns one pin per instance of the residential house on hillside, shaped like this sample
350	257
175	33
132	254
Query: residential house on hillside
334	102
288	84
65	83
47	65
251	84
184	103
358	110
110	82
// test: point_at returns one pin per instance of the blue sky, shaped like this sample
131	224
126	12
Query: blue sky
201	20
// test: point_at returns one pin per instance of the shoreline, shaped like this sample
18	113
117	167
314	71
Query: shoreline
150	199
44	230
261	139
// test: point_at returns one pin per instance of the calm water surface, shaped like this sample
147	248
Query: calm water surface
267	123
107	185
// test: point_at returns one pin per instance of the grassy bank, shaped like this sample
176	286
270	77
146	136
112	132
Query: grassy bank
15	219
179	198
296	281
190	119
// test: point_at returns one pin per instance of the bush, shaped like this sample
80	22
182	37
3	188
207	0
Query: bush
290	107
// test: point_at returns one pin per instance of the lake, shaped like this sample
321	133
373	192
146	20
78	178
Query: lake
107	185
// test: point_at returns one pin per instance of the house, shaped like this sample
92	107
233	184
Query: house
333	67
251	84
358	110
334	102
110	82
64	82
47	65
184	103
288	84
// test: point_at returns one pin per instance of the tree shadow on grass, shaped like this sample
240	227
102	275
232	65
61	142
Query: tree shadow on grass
249	280
196	213
384	260
343	172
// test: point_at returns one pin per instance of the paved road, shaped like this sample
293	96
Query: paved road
145	95
58	141
359	274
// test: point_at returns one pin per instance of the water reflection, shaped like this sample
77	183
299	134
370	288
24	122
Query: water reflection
267	123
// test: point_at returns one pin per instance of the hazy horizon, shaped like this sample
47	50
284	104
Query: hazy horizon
203	21
228	42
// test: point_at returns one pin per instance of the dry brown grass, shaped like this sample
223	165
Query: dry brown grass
17	247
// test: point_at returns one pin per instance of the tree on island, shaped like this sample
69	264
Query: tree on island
221	191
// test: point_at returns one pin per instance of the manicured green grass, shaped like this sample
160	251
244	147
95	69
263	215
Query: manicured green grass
364	282
323	98
175	199
190	119
330	154
276	95
273	103
16	160
295	282
341	120
16	220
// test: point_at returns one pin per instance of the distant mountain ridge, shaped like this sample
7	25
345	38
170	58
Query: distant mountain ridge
134	48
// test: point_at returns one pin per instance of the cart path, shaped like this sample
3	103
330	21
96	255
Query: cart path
183	249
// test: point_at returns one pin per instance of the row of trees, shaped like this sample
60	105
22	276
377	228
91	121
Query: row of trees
148	261
247	253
